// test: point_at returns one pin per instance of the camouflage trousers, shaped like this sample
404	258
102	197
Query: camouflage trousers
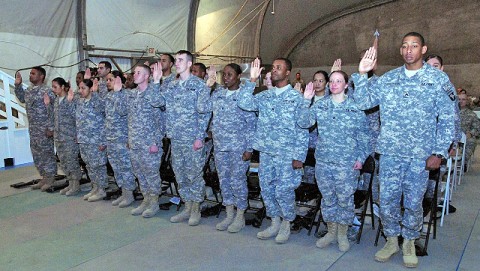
337	182
278	181
96	163
470	148
232	172
146	167
188	167
43	154
408	176
119	158
68	154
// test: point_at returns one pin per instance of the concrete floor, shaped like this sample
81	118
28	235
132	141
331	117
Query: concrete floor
42	231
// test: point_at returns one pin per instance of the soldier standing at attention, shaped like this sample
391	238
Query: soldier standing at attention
282	145
417	128
40	122
187	120
90	122
233	132
116	132
145	135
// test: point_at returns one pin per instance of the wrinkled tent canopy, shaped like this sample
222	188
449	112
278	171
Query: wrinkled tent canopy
312	33
46	32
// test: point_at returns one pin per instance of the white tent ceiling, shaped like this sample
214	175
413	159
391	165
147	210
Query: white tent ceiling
36	32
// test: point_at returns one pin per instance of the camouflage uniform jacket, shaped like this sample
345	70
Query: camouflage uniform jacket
65	127
40	117
144	127
417	113
185	101
90	118
232	128
342	131
277	131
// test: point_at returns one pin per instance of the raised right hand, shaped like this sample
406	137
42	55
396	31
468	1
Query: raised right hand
88	74
18	78
337	65
95	85
70	95
157	73
309	91
212	76
255	70
368	61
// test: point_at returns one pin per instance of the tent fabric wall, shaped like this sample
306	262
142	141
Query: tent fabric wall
137	25
227	28
37	32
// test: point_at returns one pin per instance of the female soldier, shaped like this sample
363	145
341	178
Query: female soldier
341	149
232	130
90	122
65	134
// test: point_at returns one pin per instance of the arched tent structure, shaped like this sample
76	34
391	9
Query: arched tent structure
311	32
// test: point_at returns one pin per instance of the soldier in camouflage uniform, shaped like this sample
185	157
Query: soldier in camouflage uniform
40	122
145	135
232	131
282	145
470	125
90	121
187	120
65	136
341	149
116	131
418	112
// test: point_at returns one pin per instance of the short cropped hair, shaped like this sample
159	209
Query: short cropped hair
287	61
189	55
415	34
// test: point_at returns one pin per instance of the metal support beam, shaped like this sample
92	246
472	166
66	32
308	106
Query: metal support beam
81	33
192	24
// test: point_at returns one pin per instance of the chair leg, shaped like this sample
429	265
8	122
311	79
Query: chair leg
312	222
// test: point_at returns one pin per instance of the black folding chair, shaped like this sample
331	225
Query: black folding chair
368	168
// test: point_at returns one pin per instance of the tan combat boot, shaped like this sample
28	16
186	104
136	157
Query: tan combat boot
283	233
39	184
117	201
390	248
93	191
143	206
270	231
65	190
74	189
153	207
98	195
343	244
330	237
127	198
195	214
238	223
409	256
228	219
48	183
183	215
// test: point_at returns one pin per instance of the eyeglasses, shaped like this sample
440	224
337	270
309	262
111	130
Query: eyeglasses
337	81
